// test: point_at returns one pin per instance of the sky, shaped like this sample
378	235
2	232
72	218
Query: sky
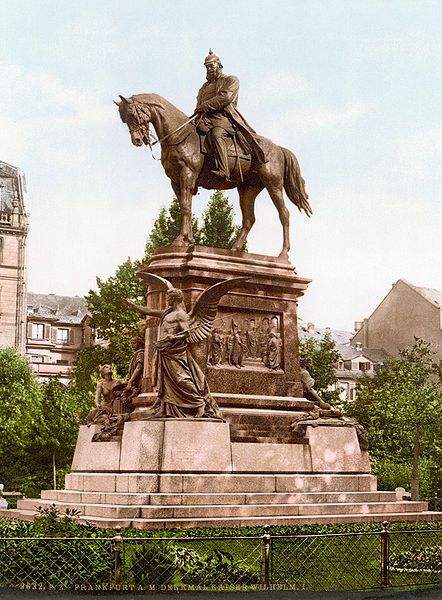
352	87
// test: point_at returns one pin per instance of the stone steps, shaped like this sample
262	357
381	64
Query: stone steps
105	522
219	483
195	499
115	511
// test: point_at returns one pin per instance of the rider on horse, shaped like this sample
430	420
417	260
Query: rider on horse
218	118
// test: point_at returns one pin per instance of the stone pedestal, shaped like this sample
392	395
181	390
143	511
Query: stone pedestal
266	302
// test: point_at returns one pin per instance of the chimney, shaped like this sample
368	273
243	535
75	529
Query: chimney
358	326
310	327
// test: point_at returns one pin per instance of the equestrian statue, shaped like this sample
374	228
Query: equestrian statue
216	149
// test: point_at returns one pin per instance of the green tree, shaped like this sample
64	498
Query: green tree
401	409
115	322
20	400
219	229
324	357
167	227
38	423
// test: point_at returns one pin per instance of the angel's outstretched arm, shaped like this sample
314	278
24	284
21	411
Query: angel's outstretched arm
144	310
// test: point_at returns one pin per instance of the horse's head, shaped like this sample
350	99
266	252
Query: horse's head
137	119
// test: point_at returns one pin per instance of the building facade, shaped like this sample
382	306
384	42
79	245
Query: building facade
13	265
58	327
406	312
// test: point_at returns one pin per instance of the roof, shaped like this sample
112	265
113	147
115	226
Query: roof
337	336
375	356
64	309
430	294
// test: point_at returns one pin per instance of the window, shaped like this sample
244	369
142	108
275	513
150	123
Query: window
37	331
364	366
62	335
37	359
2	243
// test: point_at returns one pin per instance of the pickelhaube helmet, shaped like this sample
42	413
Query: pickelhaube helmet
210	58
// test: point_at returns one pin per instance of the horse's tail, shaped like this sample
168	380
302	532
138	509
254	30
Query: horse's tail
294	183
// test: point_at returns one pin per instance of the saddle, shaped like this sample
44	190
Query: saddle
237	146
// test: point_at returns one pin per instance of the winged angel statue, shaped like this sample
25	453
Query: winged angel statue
182	386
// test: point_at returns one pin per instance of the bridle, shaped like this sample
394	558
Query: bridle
142	128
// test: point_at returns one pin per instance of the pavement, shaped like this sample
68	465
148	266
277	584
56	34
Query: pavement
434	593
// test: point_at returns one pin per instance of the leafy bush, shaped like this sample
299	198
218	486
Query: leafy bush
52	563
427	560
168	564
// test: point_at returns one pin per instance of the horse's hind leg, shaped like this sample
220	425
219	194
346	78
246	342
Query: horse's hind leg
277	196
247	195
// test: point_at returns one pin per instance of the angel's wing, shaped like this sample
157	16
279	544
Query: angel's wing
204	310
154	280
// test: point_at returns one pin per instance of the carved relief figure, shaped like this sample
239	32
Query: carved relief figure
216	348
235	346
252	340
275	351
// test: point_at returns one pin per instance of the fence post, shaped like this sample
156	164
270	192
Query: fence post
266	553
117	539
385	554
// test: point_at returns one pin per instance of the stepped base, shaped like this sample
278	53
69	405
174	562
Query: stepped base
169	500
200	473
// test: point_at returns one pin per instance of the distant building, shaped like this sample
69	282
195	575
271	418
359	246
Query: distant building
57	328
13	267
354	361
406	311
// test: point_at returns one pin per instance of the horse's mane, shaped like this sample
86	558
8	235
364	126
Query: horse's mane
157	101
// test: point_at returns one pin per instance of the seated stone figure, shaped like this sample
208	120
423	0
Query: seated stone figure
114	398
107	391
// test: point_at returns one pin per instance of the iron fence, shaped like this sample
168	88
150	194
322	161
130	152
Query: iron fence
340	561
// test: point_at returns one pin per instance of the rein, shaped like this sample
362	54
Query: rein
143	127
175	131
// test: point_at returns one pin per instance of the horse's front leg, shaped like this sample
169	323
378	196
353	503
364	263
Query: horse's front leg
184	192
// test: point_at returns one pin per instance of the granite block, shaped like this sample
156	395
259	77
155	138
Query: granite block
195	446
140	483
141	445
95	456
335	449
98	482
271	458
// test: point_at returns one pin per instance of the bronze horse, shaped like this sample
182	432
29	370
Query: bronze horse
188	167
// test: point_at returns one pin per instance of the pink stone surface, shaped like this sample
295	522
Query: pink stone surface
195	446
141	445
271	458
95	456
335	449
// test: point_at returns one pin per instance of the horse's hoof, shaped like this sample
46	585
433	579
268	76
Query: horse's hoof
283	255
182	241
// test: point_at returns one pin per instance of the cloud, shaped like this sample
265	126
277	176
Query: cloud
33	93
306	119
13	139
320	117
282	86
